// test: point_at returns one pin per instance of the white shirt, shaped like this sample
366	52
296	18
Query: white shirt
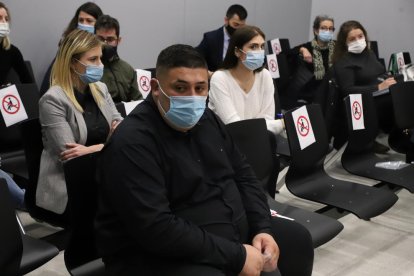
228	100
225	42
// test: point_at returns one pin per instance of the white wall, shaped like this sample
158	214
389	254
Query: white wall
389	22
148	26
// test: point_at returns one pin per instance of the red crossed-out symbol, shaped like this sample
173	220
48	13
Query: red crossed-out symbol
303	125
273	65
276	48
144	83
356	110
400	61
11	104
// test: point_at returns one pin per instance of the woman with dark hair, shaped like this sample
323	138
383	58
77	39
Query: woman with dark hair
358	70
10	55
313	57
84	19
243	89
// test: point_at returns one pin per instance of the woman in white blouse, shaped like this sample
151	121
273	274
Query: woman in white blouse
243	89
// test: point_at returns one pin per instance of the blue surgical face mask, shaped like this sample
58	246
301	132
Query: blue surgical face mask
93	73
88	28
325	36
254	59
185	111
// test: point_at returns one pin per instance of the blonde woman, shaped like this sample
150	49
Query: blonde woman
10	55
77	114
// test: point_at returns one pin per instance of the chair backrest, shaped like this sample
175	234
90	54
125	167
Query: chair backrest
373	44
10	237
10	138
253	140
402	95
313	156
82	198
362	139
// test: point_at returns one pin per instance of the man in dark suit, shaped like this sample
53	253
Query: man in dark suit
214	44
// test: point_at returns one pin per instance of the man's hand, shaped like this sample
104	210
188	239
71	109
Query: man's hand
254	262
269	250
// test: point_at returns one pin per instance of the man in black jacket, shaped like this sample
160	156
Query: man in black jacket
214	44
177	197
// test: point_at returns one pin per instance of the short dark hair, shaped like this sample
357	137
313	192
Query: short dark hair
239	38
89	8
179	55
236	9
341	48
107	22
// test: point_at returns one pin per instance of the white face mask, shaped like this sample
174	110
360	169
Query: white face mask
4	29
357	46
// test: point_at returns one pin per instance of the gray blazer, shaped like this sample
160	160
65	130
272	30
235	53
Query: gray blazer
62	123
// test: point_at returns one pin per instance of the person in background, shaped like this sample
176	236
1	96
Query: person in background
84	19
119	76
357	70
315	57
17	194
214	44
77	114
10	55
243	89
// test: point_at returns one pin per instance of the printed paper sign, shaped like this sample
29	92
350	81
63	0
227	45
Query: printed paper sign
277	49
357	111
129	106
273	66
12	107
400	60
144	85
303	126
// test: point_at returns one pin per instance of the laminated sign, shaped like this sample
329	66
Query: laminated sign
273	66
357	114
303	126
12	108
144	85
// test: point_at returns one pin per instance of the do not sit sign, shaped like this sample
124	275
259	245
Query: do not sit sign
12	108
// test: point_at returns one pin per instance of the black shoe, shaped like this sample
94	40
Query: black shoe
380	148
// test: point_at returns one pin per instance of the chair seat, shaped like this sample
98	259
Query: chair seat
321	228
35	253
363	164
361	200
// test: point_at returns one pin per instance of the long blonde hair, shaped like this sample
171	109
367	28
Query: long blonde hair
75	44
5	41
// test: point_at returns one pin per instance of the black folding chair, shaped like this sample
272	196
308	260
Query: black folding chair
359	157
19	253
307	178
81	257
252	137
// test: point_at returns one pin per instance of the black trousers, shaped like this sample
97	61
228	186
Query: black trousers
293	239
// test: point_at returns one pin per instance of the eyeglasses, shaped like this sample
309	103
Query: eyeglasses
332	29
107	40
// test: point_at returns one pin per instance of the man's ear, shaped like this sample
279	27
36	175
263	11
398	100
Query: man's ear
119	40
226	21
155	87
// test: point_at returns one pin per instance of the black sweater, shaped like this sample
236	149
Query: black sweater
13	58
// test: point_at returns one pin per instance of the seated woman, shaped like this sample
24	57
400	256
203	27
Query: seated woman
77	114
315	58
243	89
358	70
84	19
10	55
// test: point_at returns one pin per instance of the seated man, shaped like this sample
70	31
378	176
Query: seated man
214	44
176	195
119	76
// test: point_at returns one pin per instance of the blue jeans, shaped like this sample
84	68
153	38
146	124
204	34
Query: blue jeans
17	194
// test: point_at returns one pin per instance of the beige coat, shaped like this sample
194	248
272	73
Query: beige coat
62	123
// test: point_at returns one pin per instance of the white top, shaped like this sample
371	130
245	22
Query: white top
228	100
